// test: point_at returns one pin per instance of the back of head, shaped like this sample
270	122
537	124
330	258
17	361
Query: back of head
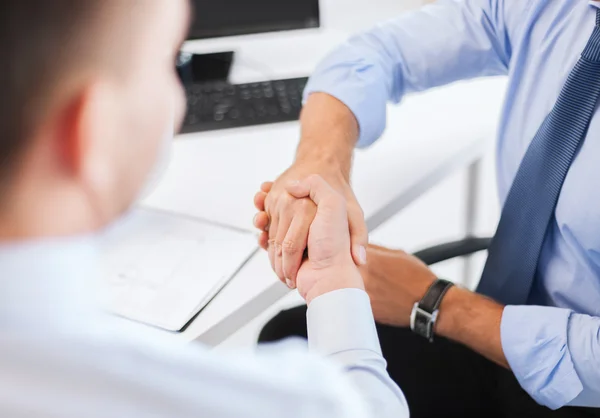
88	89
41	42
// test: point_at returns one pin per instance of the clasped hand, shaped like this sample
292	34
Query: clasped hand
312	214
321	225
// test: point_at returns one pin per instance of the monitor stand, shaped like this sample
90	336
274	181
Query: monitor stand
204	68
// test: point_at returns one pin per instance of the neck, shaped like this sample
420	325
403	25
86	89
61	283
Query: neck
44	209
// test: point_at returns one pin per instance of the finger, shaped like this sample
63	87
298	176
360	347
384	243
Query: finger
314	187
266	187
284	224
259	200
359	234
296	239
263	241
261	221
272	231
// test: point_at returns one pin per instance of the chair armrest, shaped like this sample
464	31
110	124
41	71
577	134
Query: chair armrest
454	249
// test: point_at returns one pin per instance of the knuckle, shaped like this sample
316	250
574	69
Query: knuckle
305	205
290	247
269	201
285	200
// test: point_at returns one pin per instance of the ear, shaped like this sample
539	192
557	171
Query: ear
88	149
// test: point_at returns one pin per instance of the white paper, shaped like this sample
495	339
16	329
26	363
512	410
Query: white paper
162	269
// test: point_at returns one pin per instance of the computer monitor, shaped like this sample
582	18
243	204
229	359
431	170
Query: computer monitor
217	18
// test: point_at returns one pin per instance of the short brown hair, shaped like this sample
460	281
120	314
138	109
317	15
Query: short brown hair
40	42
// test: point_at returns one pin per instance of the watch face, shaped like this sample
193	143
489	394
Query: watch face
422	326
422	322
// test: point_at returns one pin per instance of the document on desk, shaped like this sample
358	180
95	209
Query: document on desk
162	269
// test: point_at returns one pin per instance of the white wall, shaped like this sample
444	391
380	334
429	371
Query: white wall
340	12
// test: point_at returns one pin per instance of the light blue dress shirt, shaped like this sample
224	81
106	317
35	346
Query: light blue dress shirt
61	356
554	347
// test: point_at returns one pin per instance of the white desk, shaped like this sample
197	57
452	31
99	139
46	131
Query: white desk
215	175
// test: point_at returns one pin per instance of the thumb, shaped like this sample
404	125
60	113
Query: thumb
359	235
314	187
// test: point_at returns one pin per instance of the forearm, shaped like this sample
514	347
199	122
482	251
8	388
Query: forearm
553	352
396	281
329	133
430	47
473	320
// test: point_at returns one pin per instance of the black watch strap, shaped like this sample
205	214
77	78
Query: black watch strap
425	312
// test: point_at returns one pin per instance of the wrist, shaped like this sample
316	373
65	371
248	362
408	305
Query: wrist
425	312
449	312
325	162
335	278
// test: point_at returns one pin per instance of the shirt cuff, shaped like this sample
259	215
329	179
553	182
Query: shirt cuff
535	342
341	321
356	87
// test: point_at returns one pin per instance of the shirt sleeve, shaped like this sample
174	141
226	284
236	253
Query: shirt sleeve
341	326
141	374
440	43
554	353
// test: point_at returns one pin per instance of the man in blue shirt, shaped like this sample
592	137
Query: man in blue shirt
536	348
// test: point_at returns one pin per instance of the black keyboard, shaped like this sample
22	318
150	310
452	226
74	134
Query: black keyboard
219	105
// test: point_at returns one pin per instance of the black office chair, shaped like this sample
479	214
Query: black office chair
450	250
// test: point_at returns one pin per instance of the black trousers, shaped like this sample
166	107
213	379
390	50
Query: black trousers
440	379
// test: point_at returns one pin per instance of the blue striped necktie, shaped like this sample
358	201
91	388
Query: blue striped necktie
529	208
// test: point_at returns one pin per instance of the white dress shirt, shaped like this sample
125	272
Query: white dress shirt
62	356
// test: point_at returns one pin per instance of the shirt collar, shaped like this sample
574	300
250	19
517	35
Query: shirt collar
49	284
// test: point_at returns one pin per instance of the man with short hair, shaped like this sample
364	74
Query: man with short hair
89	96
528	342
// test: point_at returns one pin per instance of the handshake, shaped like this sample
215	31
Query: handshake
310	215
320	213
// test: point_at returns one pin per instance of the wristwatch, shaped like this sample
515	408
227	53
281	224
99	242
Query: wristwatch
425	312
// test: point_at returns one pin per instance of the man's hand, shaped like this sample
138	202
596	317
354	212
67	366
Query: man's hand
285	231
328	137
395	280
329	265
